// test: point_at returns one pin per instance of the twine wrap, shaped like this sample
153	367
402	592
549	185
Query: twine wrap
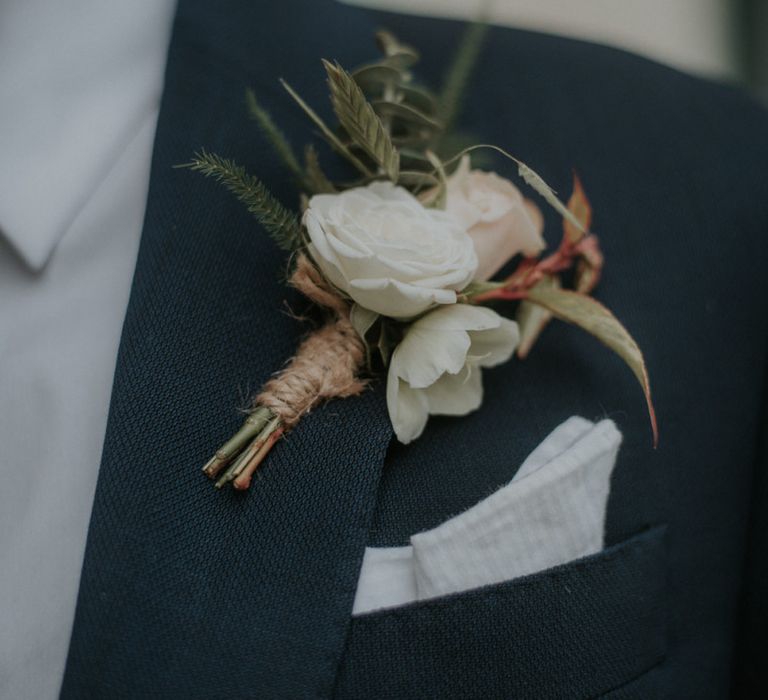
328	361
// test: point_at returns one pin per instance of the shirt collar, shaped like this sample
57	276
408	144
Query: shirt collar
82	79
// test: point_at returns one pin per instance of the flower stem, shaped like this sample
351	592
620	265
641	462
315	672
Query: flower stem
269	436
239	465
253	425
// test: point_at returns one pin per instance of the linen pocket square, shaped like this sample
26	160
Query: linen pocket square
552	512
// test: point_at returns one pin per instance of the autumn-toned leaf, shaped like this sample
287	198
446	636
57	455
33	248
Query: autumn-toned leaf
586	276
581	209
593	317
532	319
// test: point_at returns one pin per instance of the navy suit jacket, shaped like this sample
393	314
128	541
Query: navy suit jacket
188	593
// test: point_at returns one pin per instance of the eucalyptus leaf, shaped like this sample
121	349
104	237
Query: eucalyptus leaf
596	319
408	115
419	98
375	77
412	139
397	52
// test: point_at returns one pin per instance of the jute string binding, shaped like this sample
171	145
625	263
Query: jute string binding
326	365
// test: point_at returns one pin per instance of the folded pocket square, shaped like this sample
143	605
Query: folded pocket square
552	512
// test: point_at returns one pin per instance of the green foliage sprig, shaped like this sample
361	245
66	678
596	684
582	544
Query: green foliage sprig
281	223
273	134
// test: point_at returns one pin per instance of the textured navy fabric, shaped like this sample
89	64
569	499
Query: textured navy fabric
575	631
193	594
187	592
675	169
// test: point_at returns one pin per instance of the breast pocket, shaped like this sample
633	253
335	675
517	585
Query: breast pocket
574	631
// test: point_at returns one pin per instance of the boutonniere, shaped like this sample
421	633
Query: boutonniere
403	258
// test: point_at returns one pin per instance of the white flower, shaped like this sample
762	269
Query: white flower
387	251
436	367
500	221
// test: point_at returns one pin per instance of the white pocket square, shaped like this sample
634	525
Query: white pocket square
552	512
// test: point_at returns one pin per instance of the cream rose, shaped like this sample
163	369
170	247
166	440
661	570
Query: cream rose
500	221
436	367
388	252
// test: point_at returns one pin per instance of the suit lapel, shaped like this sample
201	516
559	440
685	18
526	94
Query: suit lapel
186	592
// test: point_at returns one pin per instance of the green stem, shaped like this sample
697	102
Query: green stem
329	135
253	425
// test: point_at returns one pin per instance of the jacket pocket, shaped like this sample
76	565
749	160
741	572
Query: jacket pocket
573	631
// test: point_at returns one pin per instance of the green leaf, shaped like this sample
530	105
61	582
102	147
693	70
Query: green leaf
273	134
532	319
360	121
399	54
593	317
418	98
281	224
403	112
374	77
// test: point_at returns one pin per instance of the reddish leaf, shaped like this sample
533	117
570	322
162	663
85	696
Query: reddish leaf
580	207
593	317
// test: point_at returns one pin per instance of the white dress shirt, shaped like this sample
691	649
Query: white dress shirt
80	84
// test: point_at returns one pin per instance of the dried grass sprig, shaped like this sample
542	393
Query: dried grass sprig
281	223
361	122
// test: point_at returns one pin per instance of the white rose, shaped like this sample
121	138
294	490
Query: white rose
500	221
387	251
436	367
